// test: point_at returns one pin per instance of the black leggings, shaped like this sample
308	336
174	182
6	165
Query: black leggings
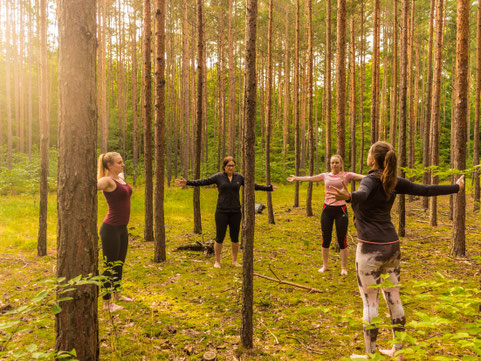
115	240
329	215
222	220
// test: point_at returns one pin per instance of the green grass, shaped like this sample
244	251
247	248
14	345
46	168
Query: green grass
185	307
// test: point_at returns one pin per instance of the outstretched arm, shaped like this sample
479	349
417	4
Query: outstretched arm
314	178
406	187
357	177
181	182
269	188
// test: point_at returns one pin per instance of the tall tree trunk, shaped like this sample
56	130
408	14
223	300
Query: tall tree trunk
478	112
270	210
436	106
286	121
361	55
375	73
249	197
458	247
104	125
21	82
427	112
76	326
403	112
159	126
410	92
341	77
327	84
221	87
394	104
8	96
310	106
185	91
31	55
296	105
231	108
147	115
198	123
353	101
135	135
44	133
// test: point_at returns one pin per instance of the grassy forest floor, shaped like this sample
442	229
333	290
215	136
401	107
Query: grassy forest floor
184	307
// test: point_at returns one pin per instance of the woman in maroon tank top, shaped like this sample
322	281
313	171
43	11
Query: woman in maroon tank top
113	231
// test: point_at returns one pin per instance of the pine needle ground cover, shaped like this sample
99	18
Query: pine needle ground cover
184	307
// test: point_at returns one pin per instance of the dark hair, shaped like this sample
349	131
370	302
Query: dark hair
227	160
386	159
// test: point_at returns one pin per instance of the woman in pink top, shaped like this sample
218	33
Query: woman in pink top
333	210
113	231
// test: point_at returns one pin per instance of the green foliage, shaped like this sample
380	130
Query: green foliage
24	177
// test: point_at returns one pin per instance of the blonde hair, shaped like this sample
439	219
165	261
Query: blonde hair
104	159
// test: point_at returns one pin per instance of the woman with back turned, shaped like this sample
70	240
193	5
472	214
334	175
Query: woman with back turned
378	251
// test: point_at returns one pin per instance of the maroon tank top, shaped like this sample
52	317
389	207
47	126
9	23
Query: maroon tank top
119	205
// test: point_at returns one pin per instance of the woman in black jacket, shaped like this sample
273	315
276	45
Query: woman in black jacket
378	250
228	212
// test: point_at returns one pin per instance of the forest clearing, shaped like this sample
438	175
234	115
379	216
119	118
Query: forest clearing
184	307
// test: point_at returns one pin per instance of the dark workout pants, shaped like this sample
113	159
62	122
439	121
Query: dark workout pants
222	220
115	240
331	214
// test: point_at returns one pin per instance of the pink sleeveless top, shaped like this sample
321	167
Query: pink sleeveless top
335	181
119	205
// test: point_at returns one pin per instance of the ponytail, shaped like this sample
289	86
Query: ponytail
389	174
103	160
386	159
100	167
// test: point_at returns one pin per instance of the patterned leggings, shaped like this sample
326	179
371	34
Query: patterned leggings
372	260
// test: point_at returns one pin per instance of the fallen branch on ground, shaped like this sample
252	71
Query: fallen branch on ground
310	289
207	247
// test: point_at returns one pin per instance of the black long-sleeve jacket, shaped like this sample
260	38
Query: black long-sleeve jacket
228	201
373	209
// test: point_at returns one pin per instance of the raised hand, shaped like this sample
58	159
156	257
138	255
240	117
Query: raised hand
181	182
274	188
291	178
460	183
340	194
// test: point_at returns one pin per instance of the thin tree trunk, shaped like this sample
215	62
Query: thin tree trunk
8	88
135	131
286	121
458	247
375	73
394	104
478	112
185	91
159	125
361	51
231	108
296	111
249	198
44	133
310	106
327	75
21	82
436	106
147	115
410	92
76	327
403	112
353	102
270	210
427	112
198	123
221	87
341	77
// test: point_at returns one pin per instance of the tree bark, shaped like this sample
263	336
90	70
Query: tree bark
310	99
159	126
147	115
375	73
436	106
341	77
270	211
135	135
231	107
327	84
286	121
198	123
353	102
185	91
297	111
395	71
427	112
478	112
104	124
76	326
8	97
361	55
458	247
249	197
44	133
403	112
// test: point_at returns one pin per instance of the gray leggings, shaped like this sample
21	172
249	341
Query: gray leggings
372	260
